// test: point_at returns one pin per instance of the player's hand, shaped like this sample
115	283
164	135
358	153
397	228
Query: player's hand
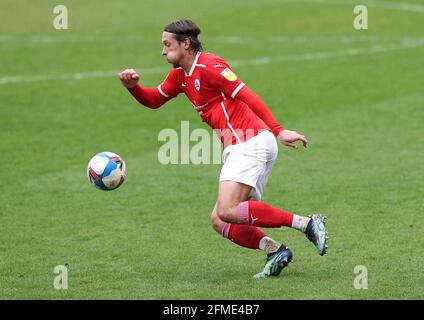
129	78
287	138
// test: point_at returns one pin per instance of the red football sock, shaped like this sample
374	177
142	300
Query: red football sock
261	214
245	236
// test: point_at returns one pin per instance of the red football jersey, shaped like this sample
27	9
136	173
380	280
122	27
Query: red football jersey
212	88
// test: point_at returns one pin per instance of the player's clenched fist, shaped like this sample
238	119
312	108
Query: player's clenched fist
129	78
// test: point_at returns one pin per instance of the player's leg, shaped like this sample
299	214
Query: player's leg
246	236
262	214
232	209
278	255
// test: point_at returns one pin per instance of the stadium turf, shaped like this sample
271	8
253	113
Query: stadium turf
357	95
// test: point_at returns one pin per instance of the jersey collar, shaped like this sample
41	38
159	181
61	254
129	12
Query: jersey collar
193	66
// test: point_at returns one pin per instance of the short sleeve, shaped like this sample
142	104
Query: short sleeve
170	87
224	79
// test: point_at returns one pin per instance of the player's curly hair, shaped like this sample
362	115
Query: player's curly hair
183	29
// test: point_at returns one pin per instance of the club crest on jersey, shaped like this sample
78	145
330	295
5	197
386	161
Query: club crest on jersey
197	84
229	75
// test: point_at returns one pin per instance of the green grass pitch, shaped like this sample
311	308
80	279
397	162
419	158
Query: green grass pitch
356	94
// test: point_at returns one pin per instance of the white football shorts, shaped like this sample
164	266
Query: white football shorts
250	162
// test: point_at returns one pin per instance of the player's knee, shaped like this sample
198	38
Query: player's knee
225	213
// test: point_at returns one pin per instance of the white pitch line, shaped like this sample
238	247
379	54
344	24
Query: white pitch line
77	75
405	44
412	7
401	6
39	40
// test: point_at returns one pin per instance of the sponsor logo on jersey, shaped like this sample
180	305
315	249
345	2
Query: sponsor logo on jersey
197	84
229	75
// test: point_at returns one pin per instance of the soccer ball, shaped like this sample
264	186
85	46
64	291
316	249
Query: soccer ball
106	171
